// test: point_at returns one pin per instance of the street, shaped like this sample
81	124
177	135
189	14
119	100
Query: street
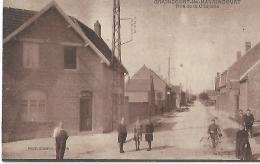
177	136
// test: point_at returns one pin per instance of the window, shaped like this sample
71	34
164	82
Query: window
34	106
30	55
70	58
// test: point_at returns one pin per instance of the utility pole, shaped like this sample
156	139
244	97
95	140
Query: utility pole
169	69
116	38
117	94
118	83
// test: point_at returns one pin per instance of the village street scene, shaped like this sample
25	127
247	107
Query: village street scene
100	80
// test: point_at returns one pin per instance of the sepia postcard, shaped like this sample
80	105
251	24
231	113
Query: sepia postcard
130	80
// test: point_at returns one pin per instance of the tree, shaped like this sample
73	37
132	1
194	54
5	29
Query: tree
204	96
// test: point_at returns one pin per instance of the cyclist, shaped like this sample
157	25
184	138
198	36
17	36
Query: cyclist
214	133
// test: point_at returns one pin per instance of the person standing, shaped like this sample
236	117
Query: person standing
122	134
243	149
214	132
137	135
149	129
61	137
249	121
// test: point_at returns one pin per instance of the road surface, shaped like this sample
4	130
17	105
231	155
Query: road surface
177	137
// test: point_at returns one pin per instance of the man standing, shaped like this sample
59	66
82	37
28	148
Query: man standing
249	121
122	134
243	149
61	137
214	132
137	134
149	128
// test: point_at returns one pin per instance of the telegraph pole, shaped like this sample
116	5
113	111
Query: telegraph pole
116	62
116	38
118	83
169	69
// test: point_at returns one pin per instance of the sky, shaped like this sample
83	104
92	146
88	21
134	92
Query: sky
200	42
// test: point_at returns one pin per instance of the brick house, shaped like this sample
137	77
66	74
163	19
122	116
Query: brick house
138	90
230	89
249	90
55	68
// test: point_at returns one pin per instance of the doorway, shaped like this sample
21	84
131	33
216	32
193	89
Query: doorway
86	111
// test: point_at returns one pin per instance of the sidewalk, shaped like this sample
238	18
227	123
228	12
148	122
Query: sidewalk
44	148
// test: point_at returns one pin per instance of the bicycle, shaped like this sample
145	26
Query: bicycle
208	143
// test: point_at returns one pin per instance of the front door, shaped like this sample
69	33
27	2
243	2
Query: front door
86	112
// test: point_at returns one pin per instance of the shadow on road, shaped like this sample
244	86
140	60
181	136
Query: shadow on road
82	153
232	152
232	118
153	148
162	147
165	126
230	133
256	156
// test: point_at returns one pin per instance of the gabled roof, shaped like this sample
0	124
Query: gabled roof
141	74
138	85
251	68
16	20
241	66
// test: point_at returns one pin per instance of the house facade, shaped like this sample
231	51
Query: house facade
249	97
56	69
233	92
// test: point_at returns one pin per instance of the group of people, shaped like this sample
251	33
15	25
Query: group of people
138	132
60	135
243	149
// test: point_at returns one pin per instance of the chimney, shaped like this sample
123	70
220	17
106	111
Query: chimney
239	55
248	46
97	28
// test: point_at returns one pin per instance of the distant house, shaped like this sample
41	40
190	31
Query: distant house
138	90
55	69
231	86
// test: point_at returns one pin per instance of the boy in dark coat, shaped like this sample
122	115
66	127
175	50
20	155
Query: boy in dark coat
122	134
249	121
149	129
243	149
61	137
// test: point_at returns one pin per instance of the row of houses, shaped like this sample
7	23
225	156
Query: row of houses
238	87
55	68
